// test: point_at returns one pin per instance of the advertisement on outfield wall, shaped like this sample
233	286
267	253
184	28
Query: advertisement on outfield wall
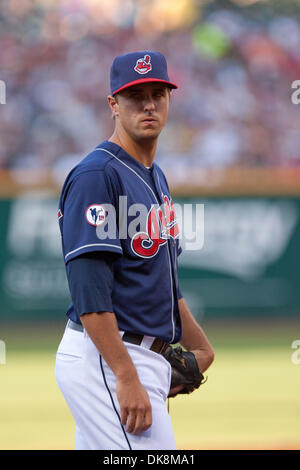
246	264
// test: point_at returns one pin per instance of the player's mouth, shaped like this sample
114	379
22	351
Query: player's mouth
149	120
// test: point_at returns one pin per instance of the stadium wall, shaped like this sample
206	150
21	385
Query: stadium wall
247	263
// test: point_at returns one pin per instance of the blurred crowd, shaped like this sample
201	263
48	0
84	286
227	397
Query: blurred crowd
234	72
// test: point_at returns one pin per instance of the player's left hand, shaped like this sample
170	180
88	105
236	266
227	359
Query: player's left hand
186	376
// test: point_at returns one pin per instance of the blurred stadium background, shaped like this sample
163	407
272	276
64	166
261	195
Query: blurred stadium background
232	143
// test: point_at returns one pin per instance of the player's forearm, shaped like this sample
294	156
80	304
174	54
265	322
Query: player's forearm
193	337
103	330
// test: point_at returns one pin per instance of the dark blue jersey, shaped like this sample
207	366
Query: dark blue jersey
112	203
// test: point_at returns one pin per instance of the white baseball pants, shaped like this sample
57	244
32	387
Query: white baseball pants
89	388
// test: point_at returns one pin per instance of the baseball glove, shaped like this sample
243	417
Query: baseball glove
185	370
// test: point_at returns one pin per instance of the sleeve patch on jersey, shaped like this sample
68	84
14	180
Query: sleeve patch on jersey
95	214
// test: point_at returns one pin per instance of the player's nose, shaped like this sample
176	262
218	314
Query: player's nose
149	104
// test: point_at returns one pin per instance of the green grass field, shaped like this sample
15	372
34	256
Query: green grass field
250	401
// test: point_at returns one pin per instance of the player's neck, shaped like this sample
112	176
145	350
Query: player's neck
143	152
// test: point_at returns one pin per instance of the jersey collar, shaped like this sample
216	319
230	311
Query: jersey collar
126	157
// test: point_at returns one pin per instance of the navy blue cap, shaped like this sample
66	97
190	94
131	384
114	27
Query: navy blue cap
138	67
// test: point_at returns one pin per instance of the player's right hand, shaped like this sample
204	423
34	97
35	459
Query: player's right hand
135	406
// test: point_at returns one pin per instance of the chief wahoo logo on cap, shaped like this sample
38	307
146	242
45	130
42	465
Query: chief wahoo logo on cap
143	65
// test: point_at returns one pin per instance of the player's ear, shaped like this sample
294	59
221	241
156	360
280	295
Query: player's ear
113	104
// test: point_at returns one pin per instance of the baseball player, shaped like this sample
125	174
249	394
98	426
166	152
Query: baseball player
120	243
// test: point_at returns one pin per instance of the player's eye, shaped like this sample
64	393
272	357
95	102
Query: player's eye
135	94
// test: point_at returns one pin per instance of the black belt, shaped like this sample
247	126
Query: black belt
159	346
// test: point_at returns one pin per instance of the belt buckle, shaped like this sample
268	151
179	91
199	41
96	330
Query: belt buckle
159	346
163	348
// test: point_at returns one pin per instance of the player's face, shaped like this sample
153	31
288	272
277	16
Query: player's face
143	110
